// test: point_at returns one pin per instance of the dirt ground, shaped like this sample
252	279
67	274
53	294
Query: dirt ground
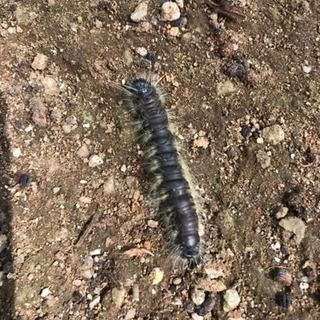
83	242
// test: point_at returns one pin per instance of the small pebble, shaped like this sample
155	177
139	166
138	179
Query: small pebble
136	293
56	115
273	134
40	62
263	158
50	86
201	142
95	161
25	179
83	151
45	292
123	168
140	12
96	252
195	316
142	51
282	212
16	152
231	300
118	295
77	282
38	112
198	296
94	302
304	286
56	190
108	186
294	225
211	285
130	314
170	11
306	69
87	274
224	88
67	128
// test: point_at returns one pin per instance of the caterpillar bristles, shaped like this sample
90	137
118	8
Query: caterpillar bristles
178	203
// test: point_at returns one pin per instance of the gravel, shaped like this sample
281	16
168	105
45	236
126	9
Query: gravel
140	12
231	300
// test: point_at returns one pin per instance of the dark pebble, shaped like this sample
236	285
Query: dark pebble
245	131
281	275
13	7
283	299
236	70
151	57
25	179
76	296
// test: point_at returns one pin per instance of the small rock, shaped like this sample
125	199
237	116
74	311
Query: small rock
282	212
16	152
136	293
123	168
142	51
294	225
56	115
45	292
198	296
95	161
180	3
130	314
83	151
214	273
195	316
224	88
118	295
50	86
40	62
77	282
306	69
170	11
264	159
67	128
201	142
95	252
174	32
211	285
260	140
231	300
87	274
273	134
56	190
153	224
38	112
140	12
94	302
108	186
127	57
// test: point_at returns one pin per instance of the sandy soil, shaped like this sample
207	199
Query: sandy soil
83	242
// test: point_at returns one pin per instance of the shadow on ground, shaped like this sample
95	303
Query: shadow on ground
6	262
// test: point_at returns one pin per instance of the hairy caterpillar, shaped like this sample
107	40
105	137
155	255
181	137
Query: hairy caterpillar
172	187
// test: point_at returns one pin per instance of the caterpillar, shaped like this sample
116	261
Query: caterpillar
177	201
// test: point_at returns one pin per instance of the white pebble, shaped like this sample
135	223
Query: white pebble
96	252
87	274
303	286
273	134
141	51
16	152
198	296
95	161
45	292
306	69
170	11
55	190
231	300
140	12
83	151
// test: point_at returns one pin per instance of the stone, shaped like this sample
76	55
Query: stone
40	62
282	212
83	151
294	225
264	159
273	134
231	300
16	152
45	292
170	11
140	12
118	295
198	296
50	86
95	161
201	142
38	112
224	88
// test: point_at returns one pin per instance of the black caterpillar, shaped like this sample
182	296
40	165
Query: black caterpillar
172	187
